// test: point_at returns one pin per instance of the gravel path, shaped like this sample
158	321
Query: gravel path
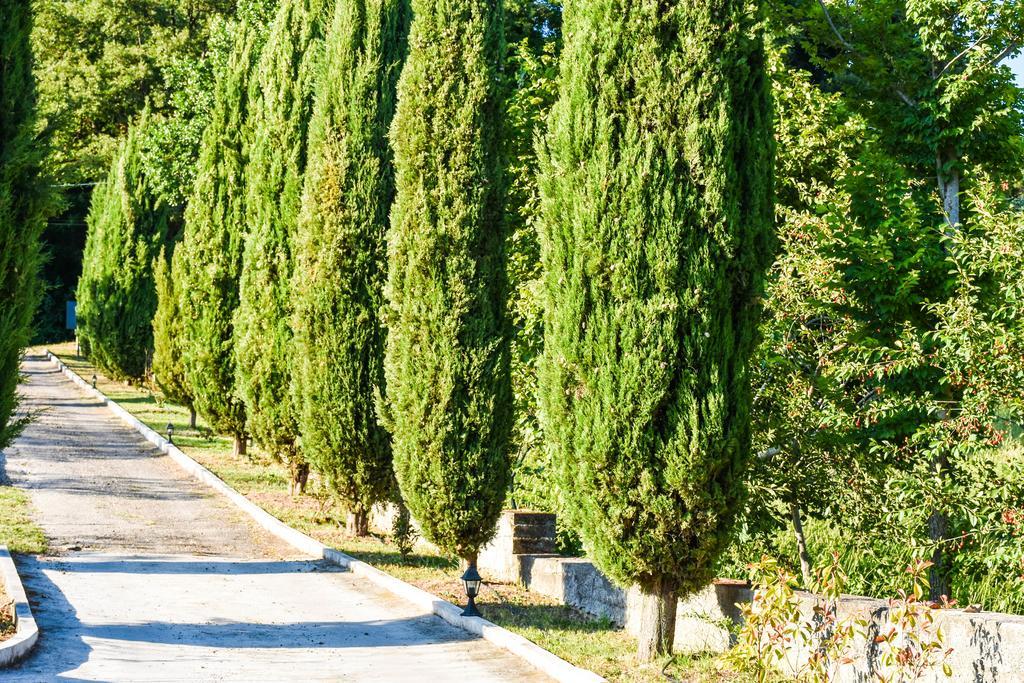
155	578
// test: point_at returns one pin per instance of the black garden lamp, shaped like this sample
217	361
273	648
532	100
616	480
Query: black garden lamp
472	580
170	433
94	381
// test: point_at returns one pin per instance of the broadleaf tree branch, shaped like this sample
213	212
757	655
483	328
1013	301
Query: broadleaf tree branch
1005	52
962	54
828	18
850	48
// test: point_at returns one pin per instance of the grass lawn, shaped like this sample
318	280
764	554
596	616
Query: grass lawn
21	535
17	530
587	642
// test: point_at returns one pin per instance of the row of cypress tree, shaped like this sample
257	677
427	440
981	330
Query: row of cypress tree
341	238
128	228
342	280
24	205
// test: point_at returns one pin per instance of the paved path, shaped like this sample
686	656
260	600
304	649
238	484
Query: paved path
158	579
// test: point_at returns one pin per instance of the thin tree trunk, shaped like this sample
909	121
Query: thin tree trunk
938	576
938	532
657	621
951	202
465	562
949	189
358	522
191	418
939	582
801	547
300	475
240	445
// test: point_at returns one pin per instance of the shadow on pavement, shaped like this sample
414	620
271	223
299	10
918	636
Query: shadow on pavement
66	642
60	647
157	565
290	635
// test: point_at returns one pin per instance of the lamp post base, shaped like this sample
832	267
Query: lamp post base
471	610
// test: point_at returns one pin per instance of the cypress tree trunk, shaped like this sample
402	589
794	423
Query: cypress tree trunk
341	253
299	472
117	300
24	204
657	632
211	250
357	522
655	236
447	360
282	102
240	445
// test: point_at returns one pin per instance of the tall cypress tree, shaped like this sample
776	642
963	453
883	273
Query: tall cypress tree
211	251
168	335
341	254
447	360
656	191
23	204
127	226
281	107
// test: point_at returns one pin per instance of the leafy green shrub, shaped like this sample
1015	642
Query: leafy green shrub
403	533
779	638
909	644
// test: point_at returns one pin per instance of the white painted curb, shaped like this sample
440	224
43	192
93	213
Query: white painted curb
552	665
27	633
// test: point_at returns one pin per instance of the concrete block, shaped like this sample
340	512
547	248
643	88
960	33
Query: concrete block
519	534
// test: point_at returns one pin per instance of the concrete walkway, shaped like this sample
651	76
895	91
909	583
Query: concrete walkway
157	579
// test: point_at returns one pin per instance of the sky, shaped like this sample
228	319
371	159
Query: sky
1017	64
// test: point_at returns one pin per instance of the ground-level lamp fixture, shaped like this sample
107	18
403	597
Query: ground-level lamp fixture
472	581
170	433
94	381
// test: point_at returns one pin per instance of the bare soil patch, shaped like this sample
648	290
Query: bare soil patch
8	624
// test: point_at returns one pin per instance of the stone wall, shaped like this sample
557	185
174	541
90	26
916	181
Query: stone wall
987	647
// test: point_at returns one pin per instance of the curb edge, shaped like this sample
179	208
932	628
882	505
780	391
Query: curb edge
24	639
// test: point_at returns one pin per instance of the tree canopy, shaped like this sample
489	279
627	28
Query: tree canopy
281	104
24	204
128	226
